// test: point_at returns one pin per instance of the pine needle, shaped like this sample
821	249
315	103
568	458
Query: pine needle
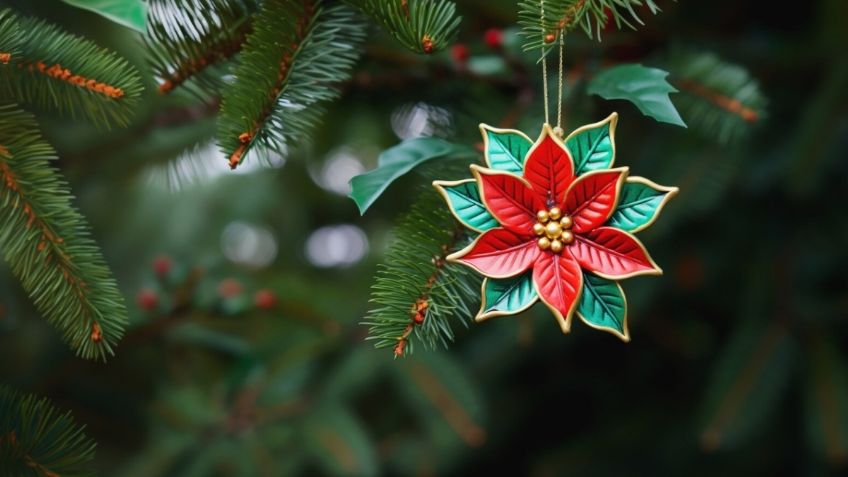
47	243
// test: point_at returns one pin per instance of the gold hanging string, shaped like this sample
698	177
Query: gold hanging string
544	65
559	129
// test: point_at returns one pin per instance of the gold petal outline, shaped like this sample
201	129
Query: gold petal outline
656	271
670	192
440	187
548	131
481	316
623	337
564	321
485	127
612	119
457	256
619	183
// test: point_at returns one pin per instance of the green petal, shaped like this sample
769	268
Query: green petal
464	200
593	146
507	296
506	149
602	305
639	203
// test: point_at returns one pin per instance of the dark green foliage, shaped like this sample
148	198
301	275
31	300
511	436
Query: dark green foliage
56	70
291	64
422	26
590	15
718	99
192	43
38	440
46	242
415	271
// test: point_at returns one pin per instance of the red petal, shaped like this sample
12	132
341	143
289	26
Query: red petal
549	169
499	253
558	281
613	253
591	199
509	199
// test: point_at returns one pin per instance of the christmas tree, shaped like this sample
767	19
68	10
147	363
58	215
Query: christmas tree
223	254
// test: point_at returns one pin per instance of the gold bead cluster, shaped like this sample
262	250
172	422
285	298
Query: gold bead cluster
553	229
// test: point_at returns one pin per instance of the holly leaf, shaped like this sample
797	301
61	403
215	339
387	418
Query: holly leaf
129	13
397	161
464	200
639	204
506	296
506	149
592	146
603	306
645	87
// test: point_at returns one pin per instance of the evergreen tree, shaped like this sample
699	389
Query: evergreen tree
251	348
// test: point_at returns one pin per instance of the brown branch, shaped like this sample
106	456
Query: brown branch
63	74
48	235
724	102
219	51
567	20
288	53
418	310
12	439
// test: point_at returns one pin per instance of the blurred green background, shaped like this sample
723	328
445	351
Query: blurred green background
245	354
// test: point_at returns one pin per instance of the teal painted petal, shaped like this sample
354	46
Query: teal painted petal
602	305
593	146
130	13
639	204
506	149
464	200
507	296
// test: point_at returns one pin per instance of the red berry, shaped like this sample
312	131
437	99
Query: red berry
265	299
162	265
493	38
460	53
229	288
147	299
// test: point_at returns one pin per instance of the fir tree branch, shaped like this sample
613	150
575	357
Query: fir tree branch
67	73
563	15
46	242
36	439
718	99
416	290
422	26
292	62
190	40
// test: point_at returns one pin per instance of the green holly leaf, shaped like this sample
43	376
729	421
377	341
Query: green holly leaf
603	306
507	296
593	146
639	204
394	162
505	149
463	198
645	87
129	13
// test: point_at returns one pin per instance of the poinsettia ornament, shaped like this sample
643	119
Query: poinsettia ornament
556	224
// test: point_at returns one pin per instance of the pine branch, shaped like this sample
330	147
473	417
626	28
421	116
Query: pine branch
38	440
193	41
416	290
717	98
563	15
422	26
292	62
47	245
61	71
